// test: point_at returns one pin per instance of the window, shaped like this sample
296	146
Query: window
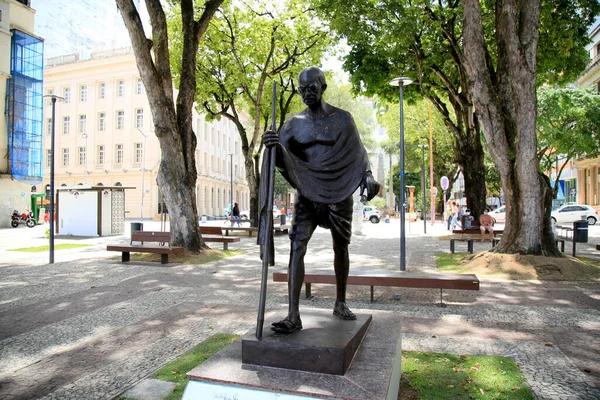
139	118
140	86
139	153
120	119
48	126
82	155
82	123
119	154
83	93
48	158
101	155
102	121
120	88
49	92
67	95
102	90
66	124
65	157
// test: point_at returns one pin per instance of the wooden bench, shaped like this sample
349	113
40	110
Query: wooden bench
249	229
281	229
468	240
164	249
391	278
558	242
567	229
474	231
215	234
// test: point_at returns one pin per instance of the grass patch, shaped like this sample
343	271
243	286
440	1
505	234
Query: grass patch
448	376
187	258
175	370
449	261
39	249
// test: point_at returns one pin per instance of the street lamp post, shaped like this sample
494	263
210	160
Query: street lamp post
143	170
85	136
401	82
423	184
51	244
231	188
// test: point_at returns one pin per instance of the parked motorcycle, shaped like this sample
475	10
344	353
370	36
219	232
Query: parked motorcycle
24	218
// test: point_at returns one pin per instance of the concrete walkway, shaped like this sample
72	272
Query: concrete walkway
90	327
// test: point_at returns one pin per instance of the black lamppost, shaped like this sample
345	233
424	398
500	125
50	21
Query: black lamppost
231	188
143	170
51	246
423	184
401	82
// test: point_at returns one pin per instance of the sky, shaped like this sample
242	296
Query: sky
82	26
86	26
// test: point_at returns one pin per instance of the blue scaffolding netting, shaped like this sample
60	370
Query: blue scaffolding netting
24	112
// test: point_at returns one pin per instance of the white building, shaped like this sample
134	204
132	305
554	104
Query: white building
104	136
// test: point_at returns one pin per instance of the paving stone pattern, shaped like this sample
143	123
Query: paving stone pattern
90	327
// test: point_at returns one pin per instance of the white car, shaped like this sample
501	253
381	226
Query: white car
372	214
573	212
499	214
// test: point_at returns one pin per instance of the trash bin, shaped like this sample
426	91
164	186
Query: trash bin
580	231
136	226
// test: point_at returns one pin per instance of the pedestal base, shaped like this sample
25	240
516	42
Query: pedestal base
374	373
326	344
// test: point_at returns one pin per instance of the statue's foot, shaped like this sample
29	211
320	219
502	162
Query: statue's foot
342	311
286	326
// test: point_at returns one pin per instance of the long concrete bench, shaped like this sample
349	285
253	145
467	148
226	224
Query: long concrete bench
390	278
137	245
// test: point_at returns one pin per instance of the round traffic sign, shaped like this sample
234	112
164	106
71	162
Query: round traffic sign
444	182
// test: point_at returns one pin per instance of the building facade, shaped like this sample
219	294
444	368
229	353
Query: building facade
104	135
21	137
588	170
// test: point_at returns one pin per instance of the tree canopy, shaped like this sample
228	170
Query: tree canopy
568	126
424	40
247	46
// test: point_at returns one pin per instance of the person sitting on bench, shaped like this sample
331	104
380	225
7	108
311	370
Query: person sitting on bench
486	224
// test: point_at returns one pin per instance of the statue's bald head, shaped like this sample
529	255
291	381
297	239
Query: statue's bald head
312	74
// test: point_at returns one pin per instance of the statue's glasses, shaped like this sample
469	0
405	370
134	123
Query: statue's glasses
311	89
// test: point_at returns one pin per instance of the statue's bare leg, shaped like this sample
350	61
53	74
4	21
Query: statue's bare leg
293	322
341	265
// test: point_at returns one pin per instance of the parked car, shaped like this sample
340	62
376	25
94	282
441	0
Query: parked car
499	214
573	212
372	214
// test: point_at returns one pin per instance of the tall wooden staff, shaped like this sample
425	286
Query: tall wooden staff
267	248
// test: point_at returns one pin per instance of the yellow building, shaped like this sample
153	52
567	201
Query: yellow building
588	170
21	74
104	135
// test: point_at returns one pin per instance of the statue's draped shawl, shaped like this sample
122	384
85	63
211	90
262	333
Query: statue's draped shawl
328	165
325	162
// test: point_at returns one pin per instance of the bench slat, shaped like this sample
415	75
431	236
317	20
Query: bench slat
145	249
410	279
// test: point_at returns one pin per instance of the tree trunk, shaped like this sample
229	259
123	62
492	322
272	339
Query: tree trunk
473	169
505	100
172	121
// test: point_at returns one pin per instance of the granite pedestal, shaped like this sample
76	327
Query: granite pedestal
326	344
373	374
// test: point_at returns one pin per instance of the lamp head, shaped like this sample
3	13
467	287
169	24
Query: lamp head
401	80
